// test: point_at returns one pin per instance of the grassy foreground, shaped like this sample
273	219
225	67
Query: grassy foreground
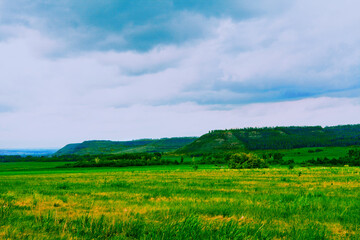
180	203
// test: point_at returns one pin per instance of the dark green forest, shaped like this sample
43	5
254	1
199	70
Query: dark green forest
274	138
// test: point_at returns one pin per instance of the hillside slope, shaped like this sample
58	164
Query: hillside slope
232	140
135	146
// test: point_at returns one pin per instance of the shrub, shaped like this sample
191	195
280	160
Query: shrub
291	166
195	166
246	160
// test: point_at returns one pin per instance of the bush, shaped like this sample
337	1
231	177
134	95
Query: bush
246	160
291	166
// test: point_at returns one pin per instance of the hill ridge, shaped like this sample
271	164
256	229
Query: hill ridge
244	139
93	147
228	140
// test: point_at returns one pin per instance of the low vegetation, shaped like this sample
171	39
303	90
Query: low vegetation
246	160
177	202
269	183
261	159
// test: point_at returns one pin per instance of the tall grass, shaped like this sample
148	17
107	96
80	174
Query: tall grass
320	203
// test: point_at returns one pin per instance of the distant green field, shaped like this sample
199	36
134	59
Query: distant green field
302	154
21	166
176	202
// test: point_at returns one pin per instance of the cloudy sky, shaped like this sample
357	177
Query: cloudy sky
75	70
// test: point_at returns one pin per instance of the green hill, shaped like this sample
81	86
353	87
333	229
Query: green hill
116	147
232	140
220	141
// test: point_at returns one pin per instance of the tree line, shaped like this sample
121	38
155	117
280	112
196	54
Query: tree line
233	160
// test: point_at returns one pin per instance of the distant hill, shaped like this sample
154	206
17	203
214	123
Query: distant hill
232	140
135	146
220	141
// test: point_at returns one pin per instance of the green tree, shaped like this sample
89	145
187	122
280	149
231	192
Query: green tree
246	160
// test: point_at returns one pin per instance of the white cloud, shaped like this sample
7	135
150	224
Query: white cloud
46	127
312	43
52	99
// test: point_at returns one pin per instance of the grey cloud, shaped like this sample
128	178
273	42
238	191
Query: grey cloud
266	59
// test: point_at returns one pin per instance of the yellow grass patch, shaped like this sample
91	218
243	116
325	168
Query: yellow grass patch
3	231
25	202
220	218
338	230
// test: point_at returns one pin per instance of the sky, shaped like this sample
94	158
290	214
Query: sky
76	70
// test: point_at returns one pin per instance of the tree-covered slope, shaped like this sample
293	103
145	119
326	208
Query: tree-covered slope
135	146
232	140
214	141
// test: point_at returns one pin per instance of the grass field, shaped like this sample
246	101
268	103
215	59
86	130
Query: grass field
176	202
28	166
300	155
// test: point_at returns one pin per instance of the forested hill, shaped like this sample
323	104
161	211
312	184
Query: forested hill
232	140
135	146
273	138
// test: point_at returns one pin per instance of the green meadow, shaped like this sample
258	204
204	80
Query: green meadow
177	202
300	155
13	167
